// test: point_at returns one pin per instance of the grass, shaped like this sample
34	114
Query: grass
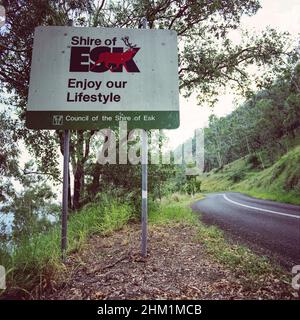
280	182
34	263
289	197
173	209
238	258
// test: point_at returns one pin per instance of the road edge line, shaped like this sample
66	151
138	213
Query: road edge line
260	209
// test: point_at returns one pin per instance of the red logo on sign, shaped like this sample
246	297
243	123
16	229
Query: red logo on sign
101	59
117	58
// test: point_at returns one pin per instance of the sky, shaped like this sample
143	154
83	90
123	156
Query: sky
283	15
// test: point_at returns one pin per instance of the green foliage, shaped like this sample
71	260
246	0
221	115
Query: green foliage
237	257
279	182
32	206
8	156
114	218
209	61
39	257
36	261
254	161
124	182
174	210
219	59
264	127
237	176
27	202
192	186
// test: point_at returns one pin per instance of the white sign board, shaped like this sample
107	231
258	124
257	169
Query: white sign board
88	78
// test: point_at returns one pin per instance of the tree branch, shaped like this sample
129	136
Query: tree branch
43	173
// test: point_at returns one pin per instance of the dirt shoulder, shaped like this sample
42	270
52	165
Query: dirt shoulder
177	267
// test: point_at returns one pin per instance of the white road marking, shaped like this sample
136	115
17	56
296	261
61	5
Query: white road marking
260	209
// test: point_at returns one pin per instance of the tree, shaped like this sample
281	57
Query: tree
267	123
32	206
16	49
8	167
209	61
25	197
8	156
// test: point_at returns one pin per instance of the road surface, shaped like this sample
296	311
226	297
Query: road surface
272	228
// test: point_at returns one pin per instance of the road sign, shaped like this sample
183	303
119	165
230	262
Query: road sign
90	78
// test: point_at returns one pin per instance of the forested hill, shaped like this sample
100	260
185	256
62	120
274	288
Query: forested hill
267	125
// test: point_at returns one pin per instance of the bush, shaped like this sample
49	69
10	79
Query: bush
237	176
192	186
35	262
253	161
173	212
292	182
219	169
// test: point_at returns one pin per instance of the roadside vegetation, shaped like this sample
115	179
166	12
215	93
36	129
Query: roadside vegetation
35	265
176	209
186	260
279	182
255	149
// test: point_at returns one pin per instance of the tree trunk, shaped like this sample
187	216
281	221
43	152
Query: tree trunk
94	188
78	176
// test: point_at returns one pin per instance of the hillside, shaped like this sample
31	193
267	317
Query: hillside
280	182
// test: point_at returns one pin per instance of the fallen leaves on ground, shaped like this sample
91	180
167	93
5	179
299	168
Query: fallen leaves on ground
176	267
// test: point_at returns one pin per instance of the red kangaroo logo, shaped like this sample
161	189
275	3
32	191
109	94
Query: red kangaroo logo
116	58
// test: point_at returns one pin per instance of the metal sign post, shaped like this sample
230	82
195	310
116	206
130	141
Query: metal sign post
64	219
144	191
144	179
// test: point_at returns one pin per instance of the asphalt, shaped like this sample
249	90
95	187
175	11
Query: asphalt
272	228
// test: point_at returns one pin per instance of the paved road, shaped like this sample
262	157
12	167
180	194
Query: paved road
270	227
